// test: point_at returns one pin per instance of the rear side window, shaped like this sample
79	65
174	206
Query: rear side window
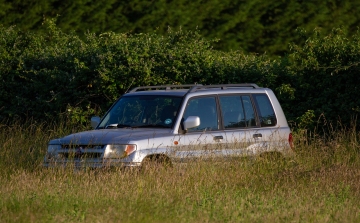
266	112
238	111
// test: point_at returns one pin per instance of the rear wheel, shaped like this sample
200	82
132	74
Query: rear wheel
271	157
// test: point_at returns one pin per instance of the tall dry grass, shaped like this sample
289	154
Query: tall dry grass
319	184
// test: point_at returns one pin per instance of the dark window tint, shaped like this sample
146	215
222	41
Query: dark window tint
233	111
237	111
249	111
205	108
266	112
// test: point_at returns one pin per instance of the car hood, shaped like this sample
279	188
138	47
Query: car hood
111	136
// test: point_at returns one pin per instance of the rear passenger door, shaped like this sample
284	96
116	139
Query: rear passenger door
247	120
239	122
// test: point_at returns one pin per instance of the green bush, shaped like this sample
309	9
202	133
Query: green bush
56	75
324	74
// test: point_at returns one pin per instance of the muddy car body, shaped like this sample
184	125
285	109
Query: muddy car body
179	123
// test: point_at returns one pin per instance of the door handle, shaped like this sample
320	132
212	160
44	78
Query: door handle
257	135
218	138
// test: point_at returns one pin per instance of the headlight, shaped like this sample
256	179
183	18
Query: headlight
52	151
118	151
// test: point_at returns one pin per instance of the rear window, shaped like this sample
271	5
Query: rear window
266	112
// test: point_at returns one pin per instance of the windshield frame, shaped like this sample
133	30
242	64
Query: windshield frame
174	100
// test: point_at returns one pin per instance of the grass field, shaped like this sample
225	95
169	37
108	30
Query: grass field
320	184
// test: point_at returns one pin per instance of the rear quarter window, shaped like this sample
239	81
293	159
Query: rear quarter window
265	110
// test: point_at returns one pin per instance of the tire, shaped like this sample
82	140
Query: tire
156	162
271	156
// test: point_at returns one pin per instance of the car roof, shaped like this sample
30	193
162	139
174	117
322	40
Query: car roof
181	90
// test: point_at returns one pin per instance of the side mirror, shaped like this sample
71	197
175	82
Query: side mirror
191	122
95	121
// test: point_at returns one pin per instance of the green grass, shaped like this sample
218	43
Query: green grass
320	184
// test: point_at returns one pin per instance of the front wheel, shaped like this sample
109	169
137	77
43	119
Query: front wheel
156	162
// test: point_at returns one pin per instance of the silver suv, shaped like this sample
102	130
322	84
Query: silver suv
177	123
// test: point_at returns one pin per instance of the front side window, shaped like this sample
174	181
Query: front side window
143	111
205	108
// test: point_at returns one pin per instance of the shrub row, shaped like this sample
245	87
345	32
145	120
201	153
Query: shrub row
56	74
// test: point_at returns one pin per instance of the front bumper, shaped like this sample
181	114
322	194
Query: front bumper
92	164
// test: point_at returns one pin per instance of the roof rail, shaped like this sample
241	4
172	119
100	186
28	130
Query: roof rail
166	87
223	86
194	87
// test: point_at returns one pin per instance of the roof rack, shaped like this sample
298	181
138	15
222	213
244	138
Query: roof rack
194	87
166	87
223	86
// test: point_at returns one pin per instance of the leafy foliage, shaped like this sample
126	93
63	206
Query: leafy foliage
325	75
57	74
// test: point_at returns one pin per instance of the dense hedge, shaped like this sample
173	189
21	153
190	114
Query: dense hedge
58	74
325	76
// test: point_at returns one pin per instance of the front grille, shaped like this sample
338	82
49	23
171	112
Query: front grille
81	151
85	147
85	155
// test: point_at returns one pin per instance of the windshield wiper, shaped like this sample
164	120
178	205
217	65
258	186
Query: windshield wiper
151	126
110	126
136	126
117	126
123	125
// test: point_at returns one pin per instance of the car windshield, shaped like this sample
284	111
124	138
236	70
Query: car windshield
143	111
